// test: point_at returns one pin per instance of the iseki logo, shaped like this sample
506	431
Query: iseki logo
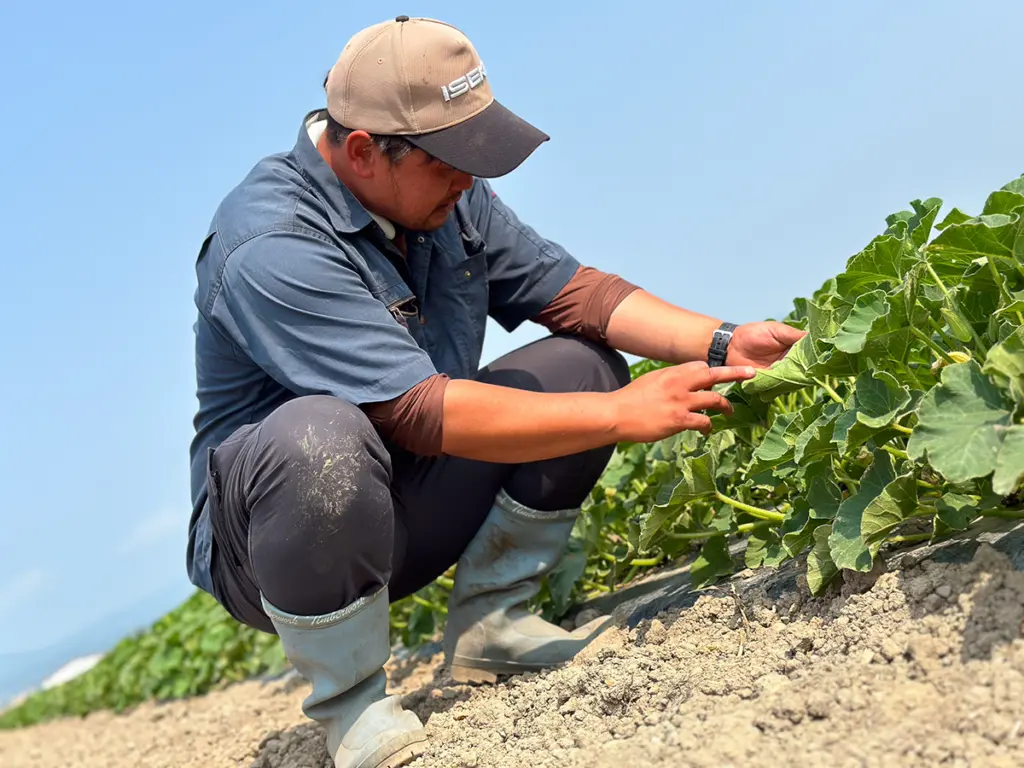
462	85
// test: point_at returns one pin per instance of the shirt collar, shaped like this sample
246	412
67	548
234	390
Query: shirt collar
346	212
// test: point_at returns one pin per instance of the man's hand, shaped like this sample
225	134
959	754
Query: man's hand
667	401
761	344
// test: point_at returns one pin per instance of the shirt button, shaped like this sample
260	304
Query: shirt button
468	273
421	239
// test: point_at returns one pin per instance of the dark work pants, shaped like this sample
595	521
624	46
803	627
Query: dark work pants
314	509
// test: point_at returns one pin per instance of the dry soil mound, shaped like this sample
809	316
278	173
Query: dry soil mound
919	667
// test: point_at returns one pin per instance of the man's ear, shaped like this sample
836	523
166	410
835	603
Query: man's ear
361	154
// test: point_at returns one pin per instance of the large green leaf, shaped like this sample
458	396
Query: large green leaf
878	400
788	374
884	261
820	567
825	498
956	510
993	235
1010	461
697	481
846	544
961	423
852	335
1005	363
896	502
713	562
816	441
918	222
1003	201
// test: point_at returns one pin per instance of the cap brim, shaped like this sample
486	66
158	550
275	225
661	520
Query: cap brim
492	143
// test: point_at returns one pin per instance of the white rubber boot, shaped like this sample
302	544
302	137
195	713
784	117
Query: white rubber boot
343	655
489	631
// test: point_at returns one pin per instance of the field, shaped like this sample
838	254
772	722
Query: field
896	422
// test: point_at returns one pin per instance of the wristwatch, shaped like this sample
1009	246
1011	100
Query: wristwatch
720	344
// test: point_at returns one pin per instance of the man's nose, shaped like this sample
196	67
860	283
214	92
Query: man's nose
463	181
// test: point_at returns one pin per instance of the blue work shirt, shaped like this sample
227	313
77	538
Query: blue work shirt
301	292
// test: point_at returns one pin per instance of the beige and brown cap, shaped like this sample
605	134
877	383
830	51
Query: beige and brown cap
422	79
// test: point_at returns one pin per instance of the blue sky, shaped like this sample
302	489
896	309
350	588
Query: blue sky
727	156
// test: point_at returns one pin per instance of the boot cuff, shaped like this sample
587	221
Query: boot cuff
514	508
327	619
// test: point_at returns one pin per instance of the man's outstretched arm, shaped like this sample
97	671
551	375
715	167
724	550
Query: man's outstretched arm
606	308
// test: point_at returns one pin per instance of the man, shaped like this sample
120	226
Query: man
348	446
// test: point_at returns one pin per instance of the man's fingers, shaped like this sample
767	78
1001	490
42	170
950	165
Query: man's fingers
707	399
726	373
698	422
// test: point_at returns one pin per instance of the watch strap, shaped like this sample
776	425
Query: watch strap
718	350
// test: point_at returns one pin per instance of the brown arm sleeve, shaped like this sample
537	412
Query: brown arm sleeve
413	420
585	304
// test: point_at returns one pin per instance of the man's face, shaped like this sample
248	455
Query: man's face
424	190
416	192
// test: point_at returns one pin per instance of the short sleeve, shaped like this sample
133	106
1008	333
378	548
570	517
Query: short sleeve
525	270
299	309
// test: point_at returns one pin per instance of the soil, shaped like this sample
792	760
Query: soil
922	666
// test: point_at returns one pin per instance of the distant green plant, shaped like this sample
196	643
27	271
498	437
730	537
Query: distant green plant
191	650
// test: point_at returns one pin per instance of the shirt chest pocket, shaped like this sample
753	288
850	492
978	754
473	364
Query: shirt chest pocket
387	286
461	278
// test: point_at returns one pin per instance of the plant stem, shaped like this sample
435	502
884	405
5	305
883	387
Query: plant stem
645	562
955	307
896	452
763	514
934	347
909	538
901	428
938	280
831	392
429	605
807	398
950	342
837	469
710	533
594	585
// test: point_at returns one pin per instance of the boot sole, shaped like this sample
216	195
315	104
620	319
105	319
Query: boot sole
463	674
404	756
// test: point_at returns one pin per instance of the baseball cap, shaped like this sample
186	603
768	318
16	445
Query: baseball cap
422	79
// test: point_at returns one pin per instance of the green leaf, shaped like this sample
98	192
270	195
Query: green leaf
878	400
697	481
788	374
1010	461
566	573
853	334
896	502
816	441
1003	201
960	424
712	563
825	498
956	510
1017	305
820	567
846	544
919	221
1005	364
955	216
959	244
884	261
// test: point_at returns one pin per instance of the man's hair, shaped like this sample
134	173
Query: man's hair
392	147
